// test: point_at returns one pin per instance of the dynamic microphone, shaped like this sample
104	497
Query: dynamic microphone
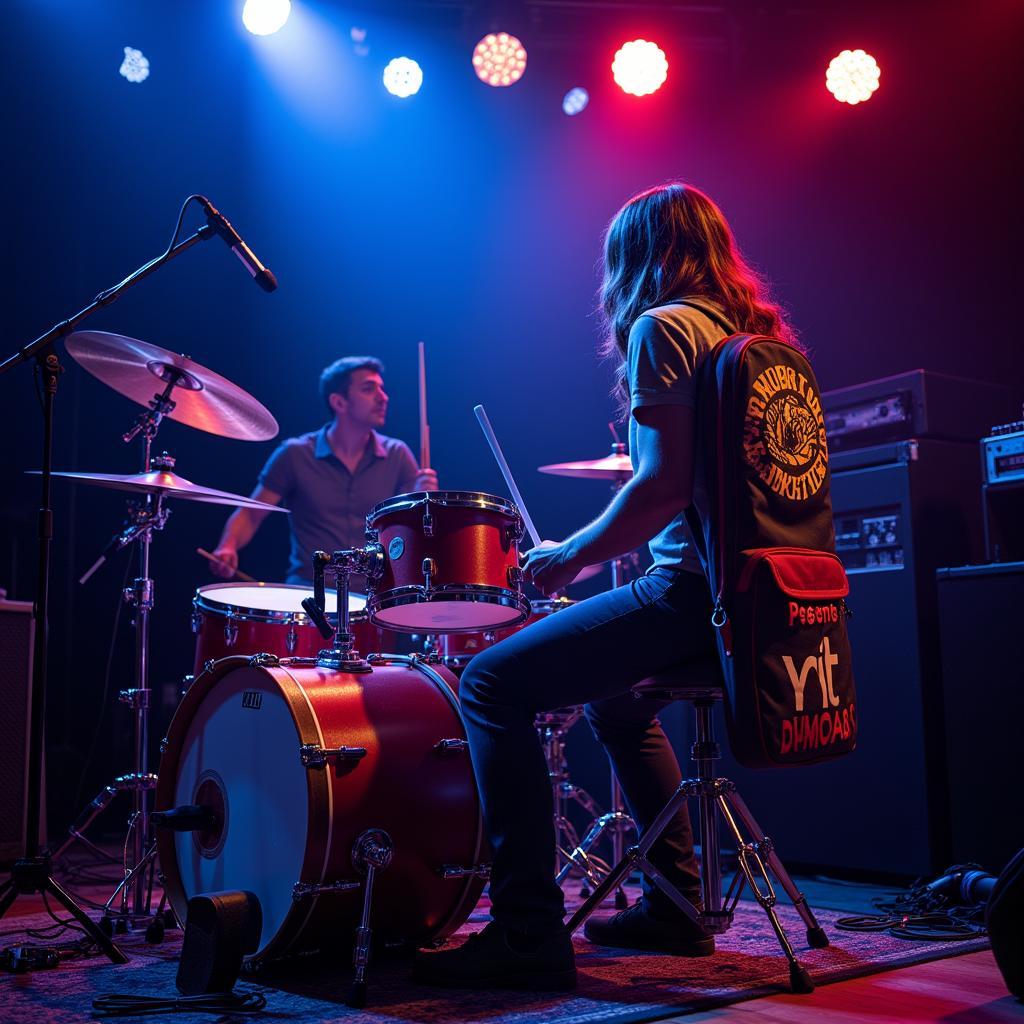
262	275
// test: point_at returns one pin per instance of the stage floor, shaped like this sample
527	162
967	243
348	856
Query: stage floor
963	989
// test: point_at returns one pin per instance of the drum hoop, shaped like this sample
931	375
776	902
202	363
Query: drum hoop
473	592
318	789
238	613
455	499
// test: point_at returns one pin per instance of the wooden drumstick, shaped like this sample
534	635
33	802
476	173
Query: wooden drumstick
213	558
424	426
485	426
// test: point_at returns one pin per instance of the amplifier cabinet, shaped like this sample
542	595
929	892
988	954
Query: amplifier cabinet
980	610
901	511
16	638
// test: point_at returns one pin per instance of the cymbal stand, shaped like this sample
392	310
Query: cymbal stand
32	873
617	822
131	901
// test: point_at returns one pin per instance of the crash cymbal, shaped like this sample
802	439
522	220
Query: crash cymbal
611	467
168	484
203	399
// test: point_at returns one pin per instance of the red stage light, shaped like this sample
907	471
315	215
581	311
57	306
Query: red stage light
640	67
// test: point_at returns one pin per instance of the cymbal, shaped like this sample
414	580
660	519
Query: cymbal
588	572
611	467
168	484
203	399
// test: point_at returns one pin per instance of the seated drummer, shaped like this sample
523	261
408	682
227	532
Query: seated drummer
664	245
330	478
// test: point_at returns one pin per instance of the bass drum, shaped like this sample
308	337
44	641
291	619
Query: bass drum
296	762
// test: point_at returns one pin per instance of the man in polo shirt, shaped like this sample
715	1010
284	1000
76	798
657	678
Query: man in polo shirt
330	478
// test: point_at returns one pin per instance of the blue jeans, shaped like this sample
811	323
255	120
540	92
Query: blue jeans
589	653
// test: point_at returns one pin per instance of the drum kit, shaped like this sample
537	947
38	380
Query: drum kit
295	767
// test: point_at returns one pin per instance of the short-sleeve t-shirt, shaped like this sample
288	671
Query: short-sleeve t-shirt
666	347
328	504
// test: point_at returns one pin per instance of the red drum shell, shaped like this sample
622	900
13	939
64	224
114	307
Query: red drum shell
473	540
423	797
456	649
225	628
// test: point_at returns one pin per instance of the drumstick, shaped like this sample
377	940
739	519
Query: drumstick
238	572
424	427
485	426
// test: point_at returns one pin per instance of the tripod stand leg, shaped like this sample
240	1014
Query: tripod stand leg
87	923
749	858
816	937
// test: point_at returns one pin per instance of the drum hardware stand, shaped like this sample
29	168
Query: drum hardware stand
371	853
553	726
366	562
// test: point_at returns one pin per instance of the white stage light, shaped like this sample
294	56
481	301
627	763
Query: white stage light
640	67
852	76
403	77
135	66
264	17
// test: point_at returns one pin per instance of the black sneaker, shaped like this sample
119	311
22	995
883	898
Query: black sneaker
487	960
635	928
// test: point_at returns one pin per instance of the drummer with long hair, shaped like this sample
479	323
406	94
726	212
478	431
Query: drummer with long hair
666	245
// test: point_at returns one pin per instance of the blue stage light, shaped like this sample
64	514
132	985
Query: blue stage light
403	77
264	17
575	100
135	66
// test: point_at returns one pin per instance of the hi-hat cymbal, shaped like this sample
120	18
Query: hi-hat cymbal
202	399
611	467
167	484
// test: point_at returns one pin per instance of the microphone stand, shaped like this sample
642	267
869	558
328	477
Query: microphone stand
32	873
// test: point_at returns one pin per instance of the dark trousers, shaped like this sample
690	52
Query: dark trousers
590	653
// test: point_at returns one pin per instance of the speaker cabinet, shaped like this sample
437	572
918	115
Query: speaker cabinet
901	511
980	610
16	637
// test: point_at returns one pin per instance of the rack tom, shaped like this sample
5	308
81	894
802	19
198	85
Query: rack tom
450	565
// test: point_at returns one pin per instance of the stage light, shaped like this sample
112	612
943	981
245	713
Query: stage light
403	77
135	66
575	100
852	76
640	67
358	37
499	59
264	17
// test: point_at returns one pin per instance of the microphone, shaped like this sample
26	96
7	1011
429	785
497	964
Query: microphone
262	275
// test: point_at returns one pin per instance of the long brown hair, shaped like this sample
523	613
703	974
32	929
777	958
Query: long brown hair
670	242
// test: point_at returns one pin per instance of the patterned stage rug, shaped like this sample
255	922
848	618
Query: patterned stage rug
615	986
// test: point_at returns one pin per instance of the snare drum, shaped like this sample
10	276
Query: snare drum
457	649
451	563
255	618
